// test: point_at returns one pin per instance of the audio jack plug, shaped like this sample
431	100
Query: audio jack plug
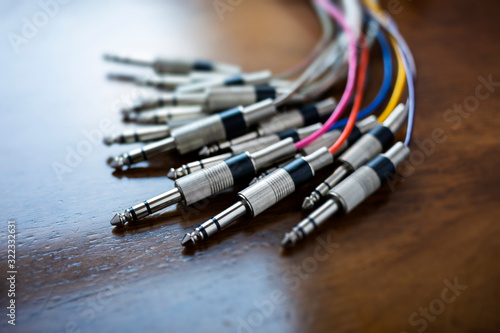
367	147
328	139
308	115
222	126
239	169
255	79
263	194
138	135
213	99
167	115
349	193
167	82
174	65
157	203
247	146
258	139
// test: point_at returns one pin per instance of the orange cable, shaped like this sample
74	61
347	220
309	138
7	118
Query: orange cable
365	56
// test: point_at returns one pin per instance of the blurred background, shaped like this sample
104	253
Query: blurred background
392	256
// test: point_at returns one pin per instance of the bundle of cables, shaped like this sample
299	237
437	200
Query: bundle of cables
271	133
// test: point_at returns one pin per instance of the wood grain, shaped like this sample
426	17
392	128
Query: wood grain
390	257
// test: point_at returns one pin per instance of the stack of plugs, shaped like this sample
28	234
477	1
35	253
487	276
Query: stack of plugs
274	133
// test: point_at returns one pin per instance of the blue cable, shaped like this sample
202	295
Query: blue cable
386	84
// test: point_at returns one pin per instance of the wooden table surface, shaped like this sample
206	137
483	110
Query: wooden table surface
432	243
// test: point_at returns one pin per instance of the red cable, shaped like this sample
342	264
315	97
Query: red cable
363	67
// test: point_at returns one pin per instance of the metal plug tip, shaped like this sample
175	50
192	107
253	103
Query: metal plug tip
288	240
115	162
308	203
187	240
109	57
120	77
205	151
118	220
126	112
171	173
108	140
130	116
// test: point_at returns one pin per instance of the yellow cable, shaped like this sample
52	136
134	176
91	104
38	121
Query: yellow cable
374	7
398	86
401	76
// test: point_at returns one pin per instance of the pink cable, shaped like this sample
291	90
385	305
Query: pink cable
351	77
